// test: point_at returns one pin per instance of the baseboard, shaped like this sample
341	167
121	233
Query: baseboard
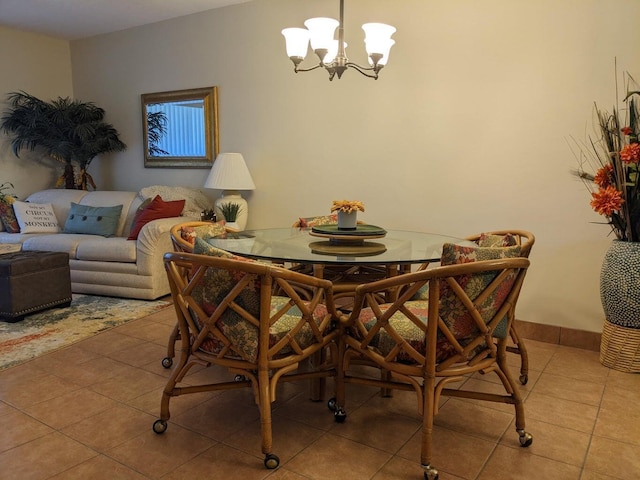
569	337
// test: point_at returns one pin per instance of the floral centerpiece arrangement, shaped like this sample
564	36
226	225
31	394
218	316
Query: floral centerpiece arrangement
347	213
610	168
347	206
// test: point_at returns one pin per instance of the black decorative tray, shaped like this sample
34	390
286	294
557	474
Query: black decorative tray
361	230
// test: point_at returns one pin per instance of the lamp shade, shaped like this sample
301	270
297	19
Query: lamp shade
297	41
229	172
321	31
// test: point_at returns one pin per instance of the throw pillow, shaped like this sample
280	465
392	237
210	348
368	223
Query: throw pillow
158	208
93	220
35	217
7	215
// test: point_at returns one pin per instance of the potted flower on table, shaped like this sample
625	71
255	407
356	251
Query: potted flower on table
347	213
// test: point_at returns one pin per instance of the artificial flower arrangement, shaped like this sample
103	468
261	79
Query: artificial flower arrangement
610	169
347	206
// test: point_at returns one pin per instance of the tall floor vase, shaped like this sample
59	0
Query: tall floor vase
620	295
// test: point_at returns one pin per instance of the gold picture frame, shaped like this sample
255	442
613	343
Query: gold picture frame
180	128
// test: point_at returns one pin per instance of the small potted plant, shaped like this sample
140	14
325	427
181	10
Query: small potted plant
347	213
230	213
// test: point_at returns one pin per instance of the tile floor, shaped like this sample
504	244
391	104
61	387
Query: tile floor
85	412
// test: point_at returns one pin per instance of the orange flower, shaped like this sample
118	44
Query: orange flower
626	130
347	206
606	201
630	153
602	178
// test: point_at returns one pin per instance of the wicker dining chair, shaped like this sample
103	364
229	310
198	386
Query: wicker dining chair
506	238
182	238
426	345
229	317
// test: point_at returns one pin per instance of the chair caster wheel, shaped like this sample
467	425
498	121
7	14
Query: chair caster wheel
430	473
526	439
160	426
331	404
271	461
524	379
339	415
167	362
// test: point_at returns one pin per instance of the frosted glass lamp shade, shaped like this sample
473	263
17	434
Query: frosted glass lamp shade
377	32
230	172
297	41
321	31
382	48
378	40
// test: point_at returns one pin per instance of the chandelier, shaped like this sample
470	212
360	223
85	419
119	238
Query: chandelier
320	33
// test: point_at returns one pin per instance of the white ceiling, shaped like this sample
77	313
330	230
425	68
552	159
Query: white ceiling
74	19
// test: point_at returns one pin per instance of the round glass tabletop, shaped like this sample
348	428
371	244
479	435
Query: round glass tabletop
298	245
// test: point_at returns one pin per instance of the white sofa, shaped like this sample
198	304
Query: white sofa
111	266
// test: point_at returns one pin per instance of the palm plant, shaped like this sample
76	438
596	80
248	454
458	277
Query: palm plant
69	131
156	129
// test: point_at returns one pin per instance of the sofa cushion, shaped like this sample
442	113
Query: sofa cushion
93	220
36	217
158	208
7	215
60	199
111	249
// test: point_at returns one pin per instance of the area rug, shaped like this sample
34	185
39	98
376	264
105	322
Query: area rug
55	328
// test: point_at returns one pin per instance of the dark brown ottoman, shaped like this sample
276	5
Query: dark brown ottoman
33	281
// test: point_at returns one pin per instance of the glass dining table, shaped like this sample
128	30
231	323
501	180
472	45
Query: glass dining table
302	245
346	260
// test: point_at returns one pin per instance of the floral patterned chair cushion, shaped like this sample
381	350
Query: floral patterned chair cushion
455	316
242	334
308	222
204	232
7	215
489	240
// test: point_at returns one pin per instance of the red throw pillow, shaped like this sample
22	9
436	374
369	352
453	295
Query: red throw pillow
158	208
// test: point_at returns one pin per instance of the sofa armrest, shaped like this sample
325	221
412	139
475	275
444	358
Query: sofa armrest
153	242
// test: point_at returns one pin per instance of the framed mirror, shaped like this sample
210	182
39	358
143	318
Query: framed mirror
180	128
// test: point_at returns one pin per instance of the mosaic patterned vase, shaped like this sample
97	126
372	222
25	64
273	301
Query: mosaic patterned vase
620	284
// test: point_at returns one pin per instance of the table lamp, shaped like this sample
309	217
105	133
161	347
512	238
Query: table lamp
230	174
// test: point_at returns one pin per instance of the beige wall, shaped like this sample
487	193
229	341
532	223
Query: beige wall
41	66
465	131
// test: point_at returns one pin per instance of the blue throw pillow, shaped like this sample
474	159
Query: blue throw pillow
93	220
